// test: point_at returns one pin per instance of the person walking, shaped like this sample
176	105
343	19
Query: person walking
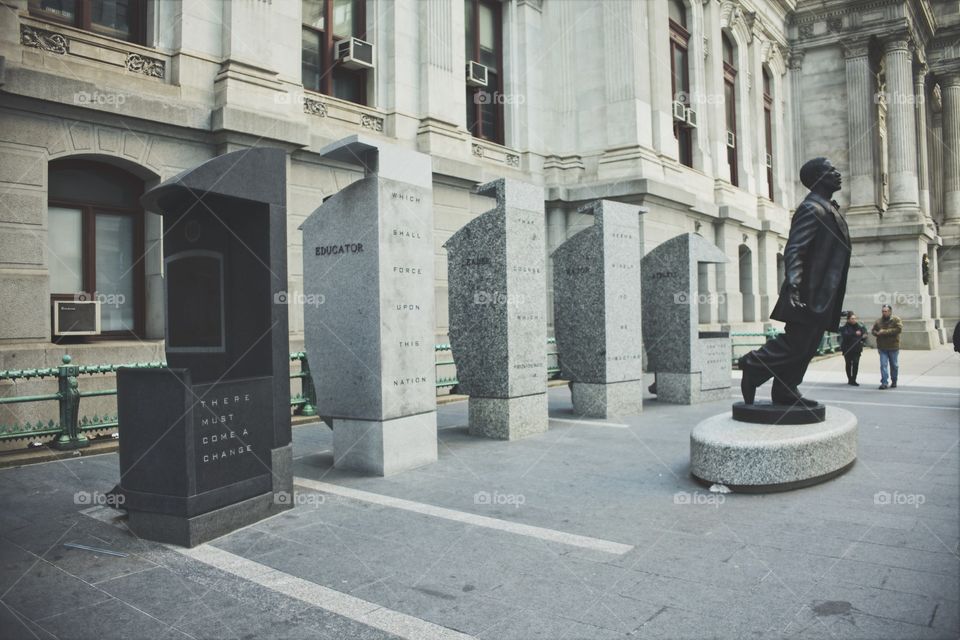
852	336
887	331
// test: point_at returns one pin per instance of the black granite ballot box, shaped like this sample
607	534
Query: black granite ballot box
205	443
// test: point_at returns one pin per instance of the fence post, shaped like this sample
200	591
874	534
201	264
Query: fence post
307	389
71	437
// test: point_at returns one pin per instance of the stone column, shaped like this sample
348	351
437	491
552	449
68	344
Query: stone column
729	300
936	156
949	262
860	131
556	234
950	90
933	290
904	191
796	92
923	164
443	112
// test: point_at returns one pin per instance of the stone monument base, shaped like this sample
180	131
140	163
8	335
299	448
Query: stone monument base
607	400
508	418
189	532
751	457
385	447
281	465
685	388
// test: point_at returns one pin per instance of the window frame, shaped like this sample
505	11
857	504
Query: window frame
768	130
88	244
730	106
329	40
83	20
680	41
497	104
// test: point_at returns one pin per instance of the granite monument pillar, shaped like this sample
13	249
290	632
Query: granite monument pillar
497	299
368	260
205	443
690	365
597	317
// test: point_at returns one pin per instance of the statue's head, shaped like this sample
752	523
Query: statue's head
820	175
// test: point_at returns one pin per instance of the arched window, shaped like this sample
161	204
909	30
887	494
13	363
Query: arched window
730	104
680	81
95	241
768	130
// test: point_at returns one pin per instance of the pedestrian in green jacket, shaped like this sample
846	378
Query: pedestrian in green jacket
887	331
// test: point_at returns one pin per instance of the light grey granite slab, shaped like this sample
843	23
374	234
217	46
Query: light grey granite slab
610	400
368	273
671	333
725	451
497	301
596	297
508	418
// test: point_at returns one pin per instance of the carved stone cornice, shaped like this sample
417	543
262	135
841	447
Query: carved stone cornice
315	107
152	67
839	11
43	40
795	59
897	41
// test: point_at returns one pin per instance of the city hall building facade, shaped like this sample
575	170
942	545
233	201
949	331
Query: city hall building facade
700	111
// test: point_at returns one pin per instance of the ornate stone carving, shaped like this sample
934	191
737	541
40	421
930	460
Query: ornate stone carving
834	25
795	60
805	31
43	40
856	47
147	66
478	151
371	122
513	160
315	107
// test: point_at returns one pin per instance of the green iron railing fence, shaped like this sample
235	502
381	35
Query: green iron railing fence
829	343
69	431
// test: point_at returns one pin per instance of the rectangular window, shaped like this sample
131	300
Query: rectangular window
319	67
65	249
729	99
95	242
768	133
121	19
484	44
115	271
680	89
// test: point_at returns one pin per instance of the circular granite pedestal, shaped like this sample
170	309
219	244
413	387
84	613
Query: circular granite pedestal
757	458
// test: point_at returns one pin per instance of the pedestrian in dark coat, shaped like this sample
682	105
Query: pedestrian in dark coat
853	334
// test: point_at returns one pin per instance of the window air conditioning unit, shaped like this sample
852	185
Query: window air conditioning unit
76	318
691	118
679	111
354	53
731	139
476	74
769	161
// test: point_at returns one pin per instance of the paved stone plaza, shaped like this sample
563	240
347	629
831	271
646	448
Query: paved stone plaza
592	530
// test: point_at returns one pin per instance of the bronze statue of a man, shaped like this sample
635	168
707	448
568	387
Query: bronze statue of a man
816	260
